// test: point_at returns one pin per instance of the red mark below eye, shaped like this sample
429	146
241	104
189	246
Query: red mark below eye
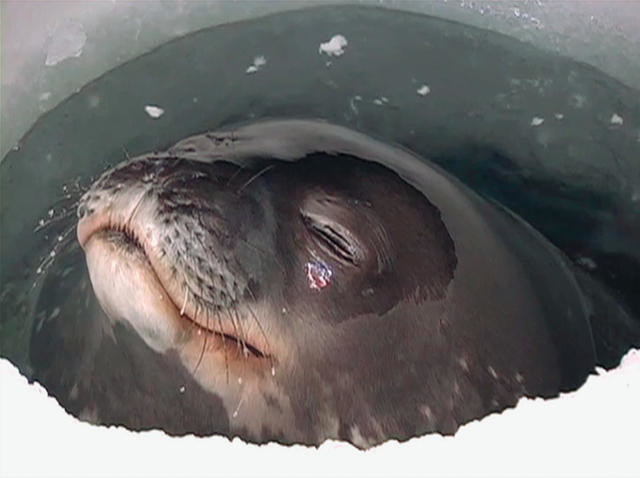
318	274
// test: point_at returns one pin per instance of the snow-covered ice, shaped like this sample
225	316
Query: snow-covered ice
67	41
593	431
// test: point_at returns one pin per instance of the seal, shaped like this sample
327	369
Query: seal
296	281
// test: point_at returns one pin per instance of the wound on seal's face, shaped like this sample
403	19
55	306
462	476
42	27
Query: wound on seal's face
359	294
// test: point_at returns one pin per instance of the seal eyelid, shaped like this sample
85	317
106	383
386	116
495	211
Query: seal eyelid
333	238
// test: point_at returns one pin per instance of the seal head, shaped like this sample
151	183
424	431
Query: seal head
319	284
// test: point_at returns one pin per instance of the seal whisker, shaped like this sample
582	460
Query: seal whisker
241	335
64	214
255	318
255	176
63	240
184	302
204	342
240	402
135	208
232	321
235	330
266	253
224	349
235	174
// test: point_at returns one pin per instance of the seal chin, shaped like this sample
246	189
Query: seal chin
133	286
129	290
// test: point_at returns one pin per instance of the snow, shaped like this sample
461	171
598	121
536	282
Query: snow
424	90
258	62
537	121
67	41
616	119
335	46
154	111
593	431
587	263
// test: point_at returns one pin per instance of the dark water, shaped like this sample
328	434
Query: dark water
556	141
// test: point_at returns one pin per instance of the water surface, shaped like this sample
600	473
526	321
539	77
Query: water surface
556	141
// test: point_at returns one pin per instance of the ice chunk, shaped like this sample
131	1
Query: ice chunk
154	111
258	62
335	46
424	90
616	119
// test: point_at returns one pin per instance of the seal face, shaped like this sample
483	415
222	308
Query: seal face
314	283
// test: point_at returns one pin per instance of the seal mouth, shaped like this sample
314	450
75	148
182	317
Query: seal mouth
125	239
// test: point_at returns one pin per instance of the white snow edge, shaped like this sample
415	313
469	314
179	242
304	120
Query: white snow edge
593	431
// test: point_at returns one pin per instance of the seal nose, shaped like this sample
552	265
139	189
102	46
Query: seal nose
105	207
87	226
83	211
89	220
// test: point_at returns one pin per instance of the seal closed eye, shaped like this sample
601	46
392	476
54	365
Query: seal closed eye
319	284
333	237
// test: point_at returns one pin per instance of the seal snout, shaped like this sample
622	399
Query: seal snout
117	213
157	232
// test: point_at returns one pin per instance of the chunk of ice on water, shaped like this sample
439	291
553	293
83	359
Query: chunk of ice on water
154	111
424	90
335	46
